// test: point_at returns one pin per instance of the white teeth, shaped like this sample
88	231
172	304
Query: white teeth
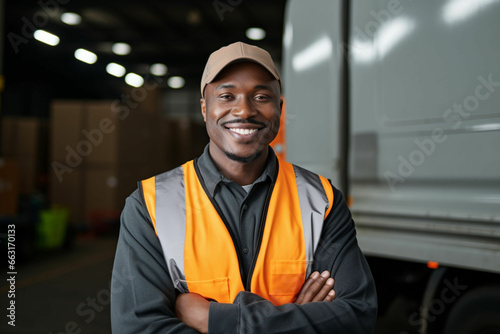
243	131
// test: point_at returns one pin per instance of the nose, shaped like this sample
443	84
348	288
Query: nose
244	108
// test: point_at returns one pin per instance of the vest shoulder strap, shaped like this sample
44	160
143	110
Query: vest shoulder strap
170	183
317	188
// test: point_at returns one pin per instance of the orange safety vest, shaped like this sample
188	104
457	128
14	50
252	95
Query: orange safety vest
199	250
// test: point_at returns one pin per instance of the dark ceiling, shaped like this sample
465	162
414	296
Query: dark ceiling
180	34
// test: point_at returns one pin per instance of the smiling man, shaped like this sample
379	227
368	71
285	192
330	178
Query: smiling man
237	241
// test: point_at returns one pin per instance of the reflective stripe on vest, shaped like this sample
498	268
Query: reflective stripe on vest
200	253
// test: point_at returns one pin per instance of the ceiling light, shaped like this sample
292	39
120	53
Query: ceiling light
121	49
115	69
176	82
158	69
46	37
85	56
134	80
256	34
71	18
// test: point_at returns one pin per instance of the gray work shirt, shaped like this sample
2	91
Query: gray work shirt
143	296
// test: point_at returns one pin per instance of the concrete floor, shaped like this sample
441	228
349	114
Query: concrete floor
63	291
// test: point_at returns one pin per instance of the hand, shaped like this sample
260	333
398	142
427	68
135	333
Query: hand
192	309
317	288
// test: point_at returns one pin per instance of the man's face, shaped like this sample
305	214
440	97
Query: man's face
242	109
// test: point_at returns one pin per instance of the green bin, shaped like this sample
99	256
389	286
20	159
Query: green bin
51	230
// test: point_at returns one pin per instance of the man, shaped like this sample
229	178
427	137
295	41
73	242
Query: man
224	243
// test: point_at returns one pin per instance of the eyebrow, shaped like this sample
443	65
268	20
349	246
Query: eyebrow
227	85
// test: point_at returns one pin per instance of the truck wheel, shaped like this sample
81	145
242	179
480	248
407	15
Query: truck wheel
477	312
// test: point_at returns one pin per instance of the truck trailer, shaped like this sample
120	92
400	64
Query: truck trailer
398	103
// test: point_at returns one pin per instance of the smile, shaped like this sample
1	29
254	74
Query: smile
243	131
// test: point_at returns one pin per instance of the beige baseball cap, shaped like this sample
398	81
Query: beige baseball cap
233	52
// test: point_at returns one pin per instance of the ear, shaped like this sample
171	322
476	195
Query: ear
203	109
281	106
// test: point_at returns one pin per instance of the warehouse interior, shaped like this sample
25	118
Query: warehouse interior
78	133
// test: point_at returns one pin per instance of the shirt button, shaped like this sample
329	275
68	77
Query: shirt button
245	250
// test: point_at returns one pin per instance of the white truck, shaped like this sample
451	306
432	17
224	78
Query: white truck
398	102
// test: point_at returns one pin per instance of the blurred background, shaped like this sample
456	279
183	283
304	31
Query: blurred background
95	96
396	101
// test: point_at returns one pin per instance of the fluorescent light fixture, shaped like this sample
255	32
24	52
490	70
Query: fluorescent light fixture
256	34
176	82
313	55
71	18
115	69
121	49
459	10
46	37
158	69
134	80
391	33
85	56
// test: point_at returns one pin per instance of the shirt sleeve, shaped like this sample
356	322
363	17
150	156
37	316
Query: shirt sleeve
353	310
142	293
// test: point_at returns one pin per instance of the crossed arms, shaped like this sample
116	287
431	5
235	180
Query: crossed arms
193	310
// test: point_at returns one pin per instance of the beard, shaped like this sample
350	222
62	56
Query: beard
244	160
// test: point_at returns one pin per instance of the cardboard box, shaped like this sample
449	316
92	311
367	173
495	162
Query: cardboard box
183	140
102	132
148	98
66	125
32	152
9	186
130	137
100	150
26	139
70	192
107	187
9	137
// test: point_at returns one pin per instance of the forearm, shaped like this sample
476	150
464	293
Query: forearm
352	311
253	314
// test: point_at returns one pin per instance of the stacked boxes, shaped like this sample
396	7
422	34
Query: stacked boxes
9	186
99	150
25	139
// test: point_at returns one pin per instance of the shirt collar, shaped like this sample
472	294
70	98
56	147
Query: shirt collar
212	176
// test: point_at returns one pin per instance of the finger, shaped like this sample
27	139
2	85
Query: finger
315	287
325	289
305	287
330	297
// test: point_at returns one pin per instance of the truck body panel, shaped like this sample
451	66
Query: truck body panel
424	122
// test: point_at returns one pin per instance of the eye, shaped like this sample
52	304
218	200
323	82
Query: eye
225	96
262	97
